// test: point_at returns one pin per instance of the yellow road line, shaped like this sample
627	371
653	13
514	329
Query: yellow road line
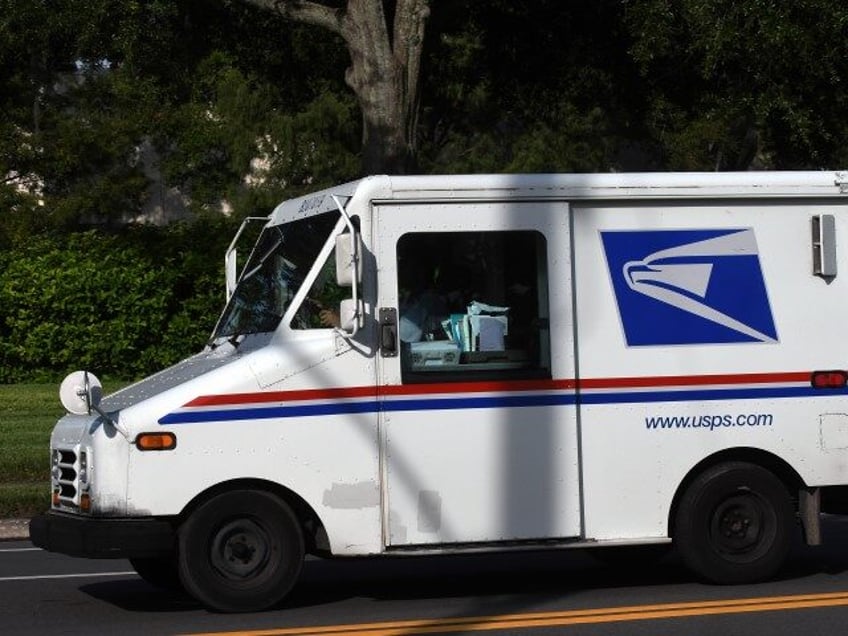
563	618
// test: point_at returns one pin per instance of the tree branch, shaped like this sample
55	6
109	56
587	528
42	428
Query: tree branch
410	20
309	12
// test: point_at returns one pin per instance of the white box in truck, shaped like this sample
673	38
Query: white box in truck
440	364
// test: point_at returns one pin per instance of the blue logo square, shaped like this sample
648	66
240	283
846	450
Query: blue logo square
680	287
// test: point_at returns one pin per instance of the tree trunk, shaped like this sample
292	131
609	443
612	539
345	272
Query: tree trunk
384	70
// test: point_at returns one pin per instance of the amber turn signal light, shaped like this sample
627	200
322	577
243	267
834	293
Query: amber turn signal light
156	441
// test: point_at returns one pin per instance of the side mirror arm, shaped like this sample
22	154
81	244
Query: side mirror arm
354	265
230	258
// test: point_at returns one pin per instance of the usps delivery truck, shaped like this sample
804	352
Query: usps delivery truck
443	364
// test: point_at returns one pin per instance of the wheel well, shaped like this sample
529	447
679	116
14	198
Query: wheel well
774	464
314	534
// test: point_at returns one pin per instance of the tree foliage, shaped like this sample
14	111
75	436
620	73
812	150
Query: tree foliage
124	305
517	88
244	102
233	105
217	91
733	84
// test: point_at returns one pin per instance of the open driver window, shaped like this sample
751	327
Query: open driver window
473	302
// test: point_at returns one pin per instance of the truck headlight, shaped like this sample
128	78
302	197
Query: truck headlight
55	471
83	468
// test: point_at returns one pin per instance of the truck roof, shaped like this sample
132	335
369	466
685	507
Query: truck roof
621	185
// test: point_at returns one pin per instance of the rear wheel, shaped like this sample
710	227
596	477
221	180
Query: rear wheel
241	551
735	523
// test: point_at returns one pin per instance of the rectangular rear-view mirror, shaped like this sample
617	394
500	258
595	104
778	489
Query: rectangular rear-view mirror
350	315
348	259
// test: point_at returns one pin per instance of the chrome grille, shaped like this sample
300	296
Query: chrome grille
64	473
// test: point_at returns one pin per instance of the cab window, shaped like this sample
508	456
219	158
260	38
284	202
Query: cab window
320	308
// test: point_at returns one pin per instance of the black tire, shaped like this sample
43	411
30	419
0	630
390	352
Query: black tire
735	524
160	572
241	551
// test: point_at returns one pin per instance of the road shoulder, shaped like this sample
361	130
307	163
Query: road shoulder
14	529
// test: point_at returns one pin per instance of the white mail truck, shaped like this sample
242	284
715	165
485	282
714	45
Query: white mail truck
442	364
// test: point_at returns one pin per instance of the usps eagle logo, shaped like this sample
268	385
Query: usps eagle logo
682	287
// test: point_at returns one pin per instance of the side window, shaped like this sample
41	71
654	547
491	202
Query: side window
473	302
320	308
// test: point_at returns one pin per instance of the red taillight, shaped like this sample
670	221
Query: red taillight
829	379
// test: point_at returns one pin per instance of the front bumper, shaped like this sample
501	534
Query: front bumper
103	538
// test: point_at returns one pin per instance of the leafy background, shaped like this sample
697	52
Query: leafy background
120	305
229	109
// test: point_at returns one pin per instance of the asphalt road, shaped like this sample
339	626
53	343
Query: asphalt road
565	592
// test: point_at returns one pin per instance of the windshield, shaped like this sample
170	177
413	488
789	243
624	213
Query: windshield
283	256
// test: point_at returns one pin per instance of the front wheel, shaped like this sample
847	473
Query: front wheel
241	551
734	523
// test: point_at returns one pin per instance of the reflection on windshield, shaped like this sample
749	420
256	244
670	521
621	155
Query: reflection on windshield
283	256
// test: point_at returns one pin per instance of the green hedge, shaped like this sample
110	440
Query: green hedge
122	305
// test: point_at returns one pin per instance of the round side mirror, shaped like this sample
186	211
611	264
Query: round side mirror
80	392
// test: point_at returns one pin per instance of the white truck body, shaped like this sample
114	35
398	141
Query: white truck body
671	322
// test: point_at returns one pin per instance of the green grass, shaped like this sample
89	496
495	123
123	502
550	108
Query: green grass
24	499
28	413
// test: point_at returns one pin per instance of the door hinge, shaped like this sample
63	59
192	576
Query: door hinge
842	182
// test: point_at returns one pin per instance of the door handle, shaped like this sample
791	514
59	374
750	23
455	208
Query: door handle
388	332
